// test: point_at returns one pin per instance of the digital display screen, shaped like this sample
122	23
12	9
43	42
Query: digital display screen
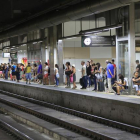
6	55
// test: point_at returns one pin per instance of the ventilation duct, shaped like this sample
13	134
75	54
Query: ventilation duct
77	11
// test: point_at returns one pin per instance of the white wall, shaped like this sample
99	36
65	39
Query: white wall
22	53
3	60
101	52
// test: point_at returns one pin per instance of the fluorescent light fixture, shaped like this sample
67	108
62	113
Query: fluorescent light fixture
100	30
23	45
40	41
7	48
13	46
34	42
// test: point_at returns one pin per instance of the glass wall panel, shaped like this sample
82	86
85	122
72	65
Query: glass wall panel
123	58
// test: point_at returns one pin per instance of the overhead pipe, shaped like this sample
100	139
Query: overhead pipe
86	8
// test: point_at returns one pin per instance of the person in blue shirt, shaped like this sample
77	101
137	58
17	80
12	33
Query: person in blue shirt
14	72
110	74
39	73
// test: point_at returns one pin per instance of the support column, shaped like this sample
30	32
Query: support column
60	54
53	45
131	43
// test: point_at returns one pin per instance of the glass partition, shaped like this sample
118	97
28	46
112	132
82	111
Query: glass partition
123	58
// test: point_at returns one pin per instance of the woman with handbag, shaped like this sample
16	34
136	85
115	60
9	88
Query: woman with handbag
56	73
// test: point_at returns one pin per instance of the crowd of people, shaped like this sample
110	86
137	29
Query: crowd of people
17	72
92	74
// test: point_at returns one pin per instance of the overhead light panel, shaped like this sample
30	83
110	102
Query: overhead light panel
34	42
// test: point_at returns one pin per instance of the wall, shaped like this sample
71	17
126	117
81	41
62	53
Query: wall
74	53
3	60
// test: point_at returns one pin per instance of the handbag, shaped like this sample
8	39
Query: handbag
57	76
68	73
71	78
40	76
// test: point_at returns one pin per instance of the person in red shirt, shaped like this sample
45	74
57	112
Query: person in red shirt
113	63
114	79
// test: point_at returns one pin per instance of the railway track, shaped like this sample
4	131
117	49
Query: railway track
86	131
8	132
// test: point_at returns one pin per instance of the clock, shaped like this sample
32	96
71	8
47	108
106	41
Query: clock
87	41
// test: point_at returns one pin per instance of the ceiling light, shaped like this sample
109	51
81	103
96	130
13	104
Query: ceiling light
34	42
40	41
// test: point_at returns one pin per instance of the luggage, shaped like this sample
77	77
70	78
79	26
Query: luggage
101	86
81	81
40	76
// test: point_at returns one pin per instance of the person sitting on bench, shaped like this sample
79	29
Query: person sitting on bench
119	85
136	82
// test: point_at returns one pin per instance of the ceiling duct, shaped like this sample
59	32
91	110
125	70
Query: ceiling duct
77	11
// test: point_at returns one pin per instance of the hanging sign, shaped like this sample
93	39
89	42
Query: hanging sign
98	41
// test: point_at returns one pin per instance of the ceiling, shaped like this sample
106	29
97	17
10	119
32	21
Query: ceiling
17	11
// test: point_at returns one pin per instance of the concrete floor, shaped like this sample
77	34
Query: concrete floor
78	88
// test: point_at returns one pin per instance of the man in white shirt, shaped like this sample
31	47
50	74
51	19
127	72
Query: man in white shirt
83	71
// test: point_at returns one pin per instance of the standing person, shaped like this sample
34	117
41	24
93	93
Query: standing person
114	79
83	71
68	73
22	71
91	62
110	74
3	69
65	74
45	77
138	66
56	73
74	76
99	72
94	71
6	72
39	73
14	72
35	72
88	71
18	70
28	73
10	69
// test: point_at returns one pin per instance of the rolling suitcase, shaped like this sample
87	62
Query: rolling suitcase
101	86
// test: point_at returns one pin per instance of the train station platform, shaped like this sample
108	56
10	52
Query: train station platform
123	109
